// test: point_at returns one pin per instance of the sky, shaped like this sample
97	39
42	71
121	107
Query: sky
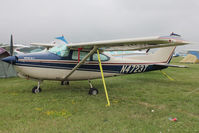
92	20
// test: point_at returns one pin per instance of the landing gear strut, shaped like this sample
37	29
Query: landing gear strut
37	89
92	91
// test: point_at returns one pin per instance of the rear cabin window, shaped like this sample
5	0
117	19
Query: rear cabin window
102	57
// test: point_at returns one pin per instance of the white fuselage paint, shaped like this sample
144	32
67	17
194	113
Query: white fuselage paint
59	74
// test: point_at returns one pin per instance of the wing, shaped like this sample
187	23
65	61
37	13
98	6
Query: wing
131	44
46	45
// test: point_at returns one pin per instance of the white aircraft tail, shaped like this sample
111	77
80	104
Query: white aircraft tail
162	55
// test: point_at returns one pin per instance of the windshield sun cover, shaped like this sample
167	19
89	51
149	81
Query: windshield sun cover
60	50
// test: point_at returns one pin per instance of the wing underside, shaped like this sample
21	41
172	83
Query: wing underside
130	44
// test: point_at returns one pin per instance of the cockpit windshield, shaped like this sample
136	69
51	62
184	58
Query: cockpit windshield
60	50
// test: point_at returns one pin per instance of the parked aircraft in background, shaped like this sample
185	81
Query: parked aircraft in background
24	49
81	61
57	41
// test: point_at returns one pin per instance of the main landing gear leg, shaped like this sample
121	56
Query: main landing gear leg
37	89
92	91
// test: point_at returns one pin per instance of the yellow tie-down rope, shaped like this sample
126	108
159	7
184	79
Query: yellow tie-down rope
165	74
100	65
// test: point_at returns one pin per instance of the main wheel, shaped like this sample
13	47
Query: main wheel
64	82
35	90
93	91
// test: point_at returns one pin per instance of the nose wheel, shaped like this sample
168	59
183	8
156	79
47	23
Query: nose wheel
92	91
37	89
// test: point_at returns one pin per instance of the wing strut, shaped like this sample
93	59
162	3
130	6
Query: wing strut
100	65
81	62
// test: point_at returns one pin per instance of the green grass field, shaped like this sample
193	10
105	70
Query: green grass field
133	97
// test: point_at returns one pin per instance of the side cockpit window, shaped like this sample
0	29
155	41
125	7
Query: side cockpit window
60	50
82	55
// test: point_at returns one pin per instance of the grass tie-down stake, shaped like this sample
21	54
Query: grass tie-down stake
101	70
166	75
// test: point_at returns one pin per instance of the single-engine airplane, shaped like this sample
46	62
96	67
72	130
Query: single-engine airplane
81	61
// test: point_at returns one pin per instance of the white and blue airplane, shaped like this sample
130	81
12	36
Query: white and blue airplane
79	61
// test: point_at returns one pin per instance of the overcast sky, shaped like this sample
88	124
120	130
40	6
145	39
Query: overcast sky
90	20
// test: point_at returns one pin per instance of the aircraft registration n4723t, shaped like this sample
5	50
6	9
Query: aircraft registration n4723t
79	61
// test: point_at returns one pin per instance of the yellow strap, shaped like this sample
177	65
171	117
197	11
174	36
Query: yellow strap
167	76
100	65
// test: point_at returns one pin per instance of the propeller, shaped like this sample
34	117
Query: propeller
11	53
11	45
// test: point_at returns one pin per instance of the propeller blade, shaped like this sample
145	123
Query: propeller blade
11	45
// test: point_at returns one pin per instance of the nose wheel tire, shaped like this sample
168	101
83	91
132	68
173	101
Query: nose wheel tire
35	90
93	91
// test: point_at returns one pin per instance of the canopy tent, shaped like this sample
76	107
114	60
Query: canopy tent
192	57
6	70
196	53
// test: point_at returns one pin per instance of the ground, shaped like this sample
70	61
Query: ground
141	103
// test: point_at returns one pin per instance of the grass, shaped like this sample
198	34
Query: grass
133	97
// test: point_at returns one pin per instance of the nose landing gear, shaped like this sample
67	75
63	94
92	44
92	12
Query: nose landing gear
92	91
37	89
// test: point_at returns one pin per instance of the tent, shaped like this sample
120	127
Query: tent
6	70
192	57
3	53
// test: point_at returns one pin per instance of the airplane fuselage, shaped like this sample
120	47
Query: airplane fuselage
48	66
